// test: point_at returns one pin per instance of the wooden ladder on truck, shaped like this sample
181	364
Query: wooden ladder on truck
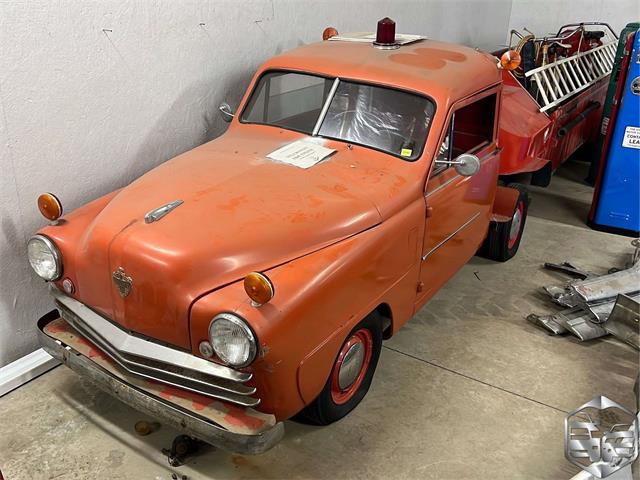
560	80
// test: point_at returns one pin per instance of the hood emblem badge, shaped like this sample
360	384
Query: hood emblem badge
157	213
123	282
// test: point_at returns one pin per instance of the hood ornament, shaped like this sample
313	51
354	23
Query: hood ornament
123	282
157	213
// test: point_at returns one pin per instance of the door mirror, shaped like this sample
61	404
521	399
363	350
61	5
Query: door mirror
226	112
467	164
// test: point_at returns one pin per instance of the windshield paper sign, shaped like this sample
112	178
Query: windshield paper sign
301	154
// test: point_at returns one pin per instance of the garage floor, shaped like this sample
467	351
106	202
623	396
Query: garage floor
468	389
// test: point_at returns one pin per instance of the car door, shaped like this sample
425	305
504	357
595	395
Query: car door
458	208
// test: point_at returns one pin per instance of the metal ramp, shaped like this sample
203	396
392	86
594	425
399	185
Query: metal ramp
560	80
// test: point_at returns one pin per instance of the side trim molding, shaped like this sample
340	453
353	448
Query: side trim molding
462	227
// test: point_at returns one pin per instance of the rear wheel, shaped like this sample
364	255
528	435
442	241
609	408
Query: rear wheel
542	177
504	238
350	375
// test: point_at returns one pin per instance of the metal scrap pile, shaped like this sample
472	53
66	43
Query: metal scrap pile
597	305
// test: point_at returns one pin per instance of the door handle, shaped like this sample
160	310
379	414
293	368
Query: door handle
429	211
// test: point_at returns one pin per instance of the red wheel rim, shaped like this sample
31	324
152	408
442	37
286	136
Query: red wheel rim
516	224
351	366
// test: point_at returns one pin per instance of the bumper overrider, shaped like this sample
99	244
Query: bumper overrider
203	399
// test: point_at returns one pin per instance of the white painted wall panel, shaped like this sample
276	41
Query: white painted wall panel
546	16
94	93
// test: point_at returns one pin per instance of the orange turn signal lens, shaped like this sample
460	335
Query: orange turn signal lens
49	206
328	33
510	60
259	288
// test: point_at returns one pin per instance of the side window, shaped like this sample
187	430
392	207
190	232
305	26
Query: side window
444	152
471	127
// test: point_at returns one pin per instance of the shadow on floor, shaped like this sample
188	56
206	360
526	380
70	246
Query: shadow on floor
567	199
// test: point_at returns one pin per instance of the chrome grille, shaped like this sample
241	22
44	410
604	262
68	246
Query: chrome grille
154	361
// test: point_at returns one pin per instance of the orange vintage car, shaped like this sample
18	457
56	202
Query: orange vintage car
254	278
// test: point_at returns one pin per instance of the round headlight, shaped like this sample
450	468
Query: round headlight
44	257
232	340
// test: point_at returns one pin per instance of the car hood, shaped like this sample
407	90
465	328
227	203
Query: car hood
241	212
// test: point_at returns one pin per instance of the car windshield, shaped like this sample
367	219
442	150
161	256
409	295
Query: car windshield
382	118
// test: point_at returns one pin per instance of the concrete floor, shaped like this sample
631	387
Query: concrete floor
468	389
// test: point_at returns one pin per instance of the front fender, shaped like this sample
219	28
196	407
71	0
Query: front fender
68	232
318	299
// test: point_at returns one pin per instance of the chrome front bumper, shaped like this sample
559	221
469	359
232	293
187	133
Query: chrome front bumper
184	419
153	361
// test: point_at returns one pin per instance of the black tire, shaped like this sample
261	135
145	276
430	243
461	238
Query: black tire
324	410
542	177
500	245
587	152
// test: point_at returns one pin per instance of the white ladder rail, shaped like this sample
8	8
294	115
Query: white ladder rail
601	61
567	75
564	78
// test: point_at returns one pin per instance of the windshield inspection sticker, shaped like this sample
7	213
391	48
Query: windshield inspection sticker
631	137
302	154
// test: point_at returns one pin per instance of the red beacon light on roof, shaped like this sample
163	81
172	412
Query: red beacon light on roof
386	34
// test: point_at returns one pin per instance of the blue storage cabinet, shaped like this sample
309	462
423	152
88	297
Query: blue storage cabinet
618	203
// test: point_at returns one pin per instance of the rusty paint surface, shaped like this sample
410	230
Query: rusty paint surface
337	239
233	418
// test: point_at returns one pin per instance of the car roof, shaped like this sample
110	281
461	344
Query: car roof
444	71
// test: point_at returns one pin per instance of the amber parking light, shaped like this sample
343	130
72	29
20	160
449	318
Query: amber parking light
328	33
510	60
259	288
49	206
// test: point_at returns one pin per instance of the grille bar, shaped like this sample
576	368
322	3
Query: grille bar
142	358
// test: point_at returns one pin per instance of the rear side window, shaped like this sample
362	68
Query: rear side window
473	125
471	128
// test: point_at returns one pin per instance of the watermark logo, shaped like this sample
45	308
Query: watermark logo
601	437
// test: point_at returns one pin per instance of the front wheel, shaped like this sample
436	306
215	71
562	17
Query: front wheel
504	238
350	375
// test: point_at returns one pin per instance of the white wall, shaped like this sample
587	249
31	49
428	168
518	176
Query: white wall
94	93
546	16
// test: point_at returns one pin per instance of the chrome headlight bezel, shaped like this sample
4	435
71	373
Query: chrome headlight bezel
55	253
247	331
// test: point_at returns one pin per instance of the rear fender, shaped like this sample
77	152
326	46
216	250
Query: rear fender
504	204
